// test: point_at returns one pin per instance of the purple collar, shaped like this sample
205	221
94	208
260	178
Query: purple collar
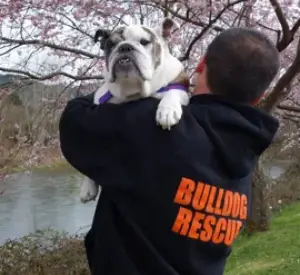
107	96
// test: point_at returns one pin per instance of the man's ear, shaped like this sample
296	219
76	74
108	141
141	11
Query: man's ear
104	34
201	66
258	100
168	27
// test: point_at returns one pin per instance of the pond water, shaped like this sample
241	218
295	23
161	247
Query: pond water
42	200
273	171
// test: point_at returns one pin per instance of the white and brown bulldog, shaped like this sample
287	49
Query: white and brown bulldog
138	64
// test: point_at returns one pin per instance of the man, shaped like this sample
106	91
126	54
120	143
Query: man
173	202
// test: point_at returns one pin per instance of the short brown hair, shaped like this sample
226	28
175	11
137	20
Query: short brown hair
241	64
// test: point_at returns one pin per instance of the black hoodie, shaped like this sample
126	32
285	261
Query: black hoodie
172	202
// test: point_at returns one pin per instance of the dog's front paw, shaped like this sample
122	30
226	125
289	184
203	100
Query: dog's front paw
89	191
169	112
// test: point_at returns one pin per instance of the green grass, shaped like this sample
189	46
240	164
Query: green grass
276	252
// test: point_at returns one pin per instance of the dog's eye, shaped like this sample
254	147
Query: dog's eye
145	42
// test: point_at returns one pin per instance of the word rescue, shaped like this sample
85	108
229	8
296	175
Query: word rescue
217	215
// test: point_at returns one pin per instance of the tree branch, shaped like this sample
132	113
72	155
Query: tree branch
292	119
281	18
289	108
296	27
49	45
49	76
187	54
206	27
157	4
277	94
287	33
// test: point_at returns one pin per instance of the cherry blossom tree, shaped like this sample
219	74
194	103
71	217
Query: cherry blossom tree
51	42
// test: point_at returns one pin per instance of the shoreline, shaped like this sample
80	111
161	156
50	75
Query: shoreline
48	159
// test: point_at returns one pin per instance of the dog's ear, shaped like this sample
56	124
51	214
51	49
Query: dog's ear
104	34
168	27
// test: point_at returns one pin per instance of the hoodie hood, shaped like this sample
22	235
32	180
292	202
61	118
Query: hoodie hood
240	133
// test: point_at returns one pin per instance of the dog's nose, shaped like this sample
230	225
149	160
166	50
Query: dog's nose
126	48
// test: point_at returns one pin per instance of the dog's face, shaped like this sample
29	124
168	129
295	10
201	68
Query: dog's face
133	53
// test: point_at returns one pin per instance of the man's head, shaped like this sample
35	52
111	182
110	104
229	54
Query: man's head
239	64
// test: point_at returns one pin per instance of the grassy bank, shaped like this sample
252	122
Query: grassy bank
276	252
49	159
29	158
44	253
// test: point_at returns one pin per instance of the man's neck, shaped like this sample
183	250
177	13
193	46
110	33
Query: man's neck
201	91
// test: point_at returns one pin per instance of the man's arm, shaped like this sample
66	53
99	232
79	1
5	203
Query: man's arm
91	136
80	114
87	133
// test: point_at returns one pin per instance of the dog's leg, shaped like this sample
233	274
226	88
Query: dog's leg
88	191
169	110
146	89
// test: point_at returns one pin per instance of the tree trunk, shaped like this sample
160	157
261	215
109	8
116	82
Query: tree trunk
259	218
260	213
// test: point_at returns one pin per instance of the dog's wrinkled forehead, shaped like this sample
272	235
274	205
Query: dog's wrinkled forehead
137	33
131	34
117	35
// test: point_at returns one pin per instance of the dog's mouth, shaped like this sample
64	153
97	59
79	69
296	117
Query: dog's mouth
126	66
125	61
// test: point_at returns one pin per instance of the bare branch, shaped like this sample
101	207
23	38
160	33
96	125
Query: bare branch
186	18
50	45
9	50
206	28
73	25
287	33
281	89
281	18
49	76
186	56
291	118
296	27
289	108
